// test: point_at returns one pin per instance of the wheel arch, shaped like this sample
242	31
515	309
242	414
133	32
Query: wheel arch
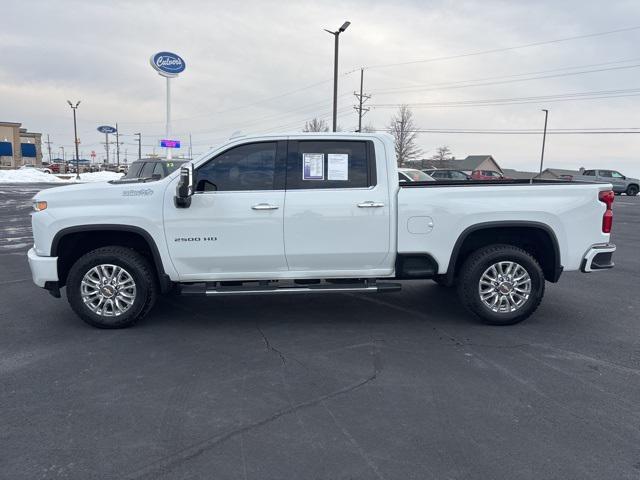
71	243
542	243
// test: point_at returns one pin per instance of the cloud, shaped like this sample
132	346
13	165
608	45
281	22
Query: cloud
240	53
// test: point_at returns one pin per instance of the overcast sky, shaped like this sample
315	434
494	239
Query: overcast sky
267	66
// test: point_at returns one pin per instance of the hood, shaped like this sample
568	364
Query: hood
98	192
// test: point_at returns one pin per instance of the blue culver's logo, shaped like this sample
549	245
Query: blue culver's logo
168	64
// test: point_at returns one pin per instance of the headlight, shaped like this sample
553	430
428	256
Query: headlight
39	206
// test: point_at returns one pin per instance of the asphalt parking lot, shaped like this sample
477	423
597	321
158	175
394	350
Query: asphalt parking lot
343	386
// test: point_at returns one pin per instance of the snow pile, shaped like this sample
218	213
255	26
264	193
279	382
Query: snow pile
98	176
31	175
27	175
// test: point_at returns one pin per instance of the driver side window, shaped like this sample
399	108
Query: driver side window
245	167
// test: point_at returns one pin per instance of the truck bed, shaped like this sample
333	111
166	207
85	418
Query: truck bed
468	183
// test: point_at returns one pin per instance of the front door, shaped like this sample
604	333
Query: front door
337	209
234	226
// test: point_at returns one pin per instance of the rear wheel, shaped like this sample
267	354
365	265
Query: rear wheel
111	287
632	190
502	284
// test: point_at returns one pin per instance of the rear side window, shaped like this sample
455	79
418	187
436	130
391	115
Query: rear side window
134	170
158	170
589	173
330	164
147	170
245	167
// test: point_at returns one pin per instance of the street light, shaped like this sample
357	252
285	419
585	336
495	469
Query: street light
75	134
336	36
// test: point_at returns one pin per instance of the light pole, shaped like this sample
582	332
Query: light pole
75	133
544	138
139	135
336	36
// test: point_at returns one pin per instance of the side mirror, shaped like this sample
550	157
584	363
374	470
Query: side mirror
184	190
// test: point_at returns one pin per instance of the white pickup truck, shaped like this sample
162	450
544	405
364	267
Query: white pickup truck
312	213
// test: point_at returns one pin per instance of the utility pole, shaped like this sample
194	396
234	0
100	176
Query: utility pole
336	36
139	135
361	99
117	146
48	142
75	133
544	138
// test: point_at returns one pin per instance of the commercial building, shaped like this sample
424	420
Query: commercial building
18	146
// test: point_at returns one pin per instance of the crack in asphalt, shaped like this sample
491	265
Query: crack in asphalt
267	344
170	462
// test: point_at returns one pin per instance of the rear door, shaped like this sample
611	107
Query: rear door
612	177
337	208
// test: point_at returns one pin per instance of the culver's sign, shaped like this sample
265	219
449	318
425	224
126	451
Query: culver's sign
167	64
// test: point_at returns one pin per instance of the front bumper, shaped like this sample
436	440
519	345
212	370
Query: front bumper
43	269
598	257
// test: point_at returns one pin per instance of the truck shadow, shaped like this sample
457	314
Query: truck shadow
417	302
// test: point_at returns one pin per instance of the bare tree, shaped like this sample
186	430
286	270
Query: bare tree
404	132
443	153
316	125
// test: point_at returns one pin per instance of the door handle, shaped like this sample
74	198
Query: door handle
264	206
370	205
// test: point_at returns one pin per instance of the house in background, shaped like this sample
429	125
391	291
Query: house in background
518	175
558	174
18	146
467	165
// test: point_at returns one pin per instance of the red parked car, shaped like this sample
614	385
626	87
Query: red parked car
486	175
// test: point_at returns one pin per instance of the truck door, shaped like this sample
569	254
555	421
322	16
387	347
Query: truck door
615	178
337	208
234	226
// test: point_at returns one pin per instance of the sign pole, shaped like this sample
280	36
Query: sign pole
106	145
168	150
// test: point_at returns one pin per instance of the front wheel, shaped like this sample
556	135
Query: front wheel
632	190
111	287
502	284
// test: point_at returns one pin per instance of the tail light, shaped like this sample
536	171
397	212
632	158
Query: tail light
607	219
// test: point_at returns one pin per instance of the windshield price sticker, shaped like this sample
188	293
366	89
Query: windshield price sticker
338	166
313	166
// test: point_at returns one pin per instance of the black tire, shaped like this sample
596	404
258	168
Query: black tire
632	190
478	262
137	267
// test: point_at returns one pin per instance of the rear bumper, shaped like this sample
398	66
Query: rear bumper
598	257
43	269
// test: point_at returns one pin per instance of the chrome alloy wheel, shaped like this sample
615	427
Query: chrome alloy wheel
108	290
505	287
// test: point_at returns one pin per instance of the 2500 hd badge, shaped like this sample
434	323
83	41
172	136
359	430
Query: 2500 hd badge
195	239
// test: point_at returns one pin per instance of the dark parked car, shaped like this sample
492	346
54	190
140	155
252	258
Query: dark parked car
448	174
152	168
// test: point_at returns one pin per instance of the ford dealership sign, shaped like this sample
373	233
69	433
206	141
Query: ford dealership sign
106	129
167	64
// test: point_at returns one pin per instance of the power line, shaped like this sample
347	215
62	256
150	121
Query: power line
497	50
520	100
556	131
499	80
